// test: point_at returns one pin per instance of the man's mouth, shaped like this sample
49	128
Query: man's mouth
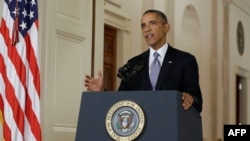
149	36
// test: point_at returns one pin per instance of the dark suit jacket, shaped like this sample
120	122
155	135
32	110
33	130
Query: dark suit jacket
179	71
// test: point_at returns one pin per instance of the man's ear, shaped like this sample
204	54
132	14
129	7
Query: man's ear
167	27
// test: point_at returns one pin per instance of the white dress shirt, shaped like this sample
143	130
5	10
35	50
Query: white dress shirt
161	51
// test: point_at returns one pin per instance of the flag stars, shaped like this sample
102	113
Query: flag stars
10	1
16	11
33	2
24	13
23	25
31	14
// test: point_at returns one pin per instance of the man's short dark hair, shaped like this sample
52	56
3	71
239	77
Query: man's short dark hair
159	13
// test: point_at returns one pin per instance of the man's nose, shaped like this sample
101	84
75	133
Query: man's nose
147	28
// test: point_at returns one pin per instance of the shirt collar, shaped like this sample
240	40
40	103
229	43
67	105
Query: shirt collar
162	51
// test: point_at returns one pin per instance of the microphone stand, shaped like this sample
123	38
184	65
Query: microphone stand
128	71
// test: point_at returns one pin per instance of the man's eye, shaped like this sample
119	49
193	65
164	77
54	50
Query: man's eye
152	23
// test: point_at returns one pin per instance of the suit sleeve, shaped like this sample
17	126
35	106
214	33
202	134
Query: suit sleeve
191	82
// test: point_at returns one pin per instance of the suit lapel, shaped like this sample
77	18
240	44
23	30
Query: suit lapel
146	84
167	64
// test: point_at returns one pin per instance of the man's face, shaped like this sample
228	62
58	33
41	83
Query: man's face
154	30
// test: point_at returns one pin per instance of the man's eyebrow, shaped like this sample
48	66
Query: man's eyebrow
149	21
152	21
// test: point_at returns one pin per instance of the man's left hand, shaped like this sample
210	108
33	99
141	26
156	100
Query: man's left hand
187	99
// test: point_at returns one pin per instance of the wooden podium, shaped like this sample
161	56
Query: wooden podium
165	118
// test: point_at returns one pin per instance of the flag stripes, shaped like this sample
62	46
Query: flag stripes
7	132
19	72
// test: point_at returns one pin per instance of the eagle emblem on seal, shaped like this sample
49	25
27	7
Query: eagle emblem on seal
125	121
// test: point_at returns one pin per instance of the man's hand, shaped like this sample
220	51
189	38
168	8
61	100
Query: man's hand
94	84
187	99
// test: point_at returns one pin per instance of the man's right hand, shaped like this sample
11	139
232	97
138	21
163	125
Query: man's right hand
94	84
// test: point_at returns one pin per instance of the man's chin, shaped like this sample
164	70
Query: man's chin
149	43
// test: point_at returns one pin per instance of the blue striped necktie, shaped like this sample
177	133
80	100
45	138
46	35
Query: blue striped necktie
154	70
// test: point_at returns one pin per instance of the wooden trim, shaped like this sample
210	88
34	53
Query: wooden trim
93	38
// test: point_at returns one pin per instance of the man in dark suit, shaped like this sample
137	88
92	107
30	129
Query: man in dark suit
178	70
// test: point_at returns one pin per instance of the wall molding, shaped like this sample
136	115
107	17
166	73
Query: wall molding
244	5
115	17
69	36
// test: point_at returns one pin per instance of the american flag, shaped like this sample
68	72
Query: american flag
19	71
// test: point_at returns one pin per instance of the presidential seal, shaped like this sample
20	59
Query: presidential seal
125	121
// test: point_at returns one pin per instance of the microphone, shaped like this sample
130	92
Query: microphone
136	69
127	71
122	72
